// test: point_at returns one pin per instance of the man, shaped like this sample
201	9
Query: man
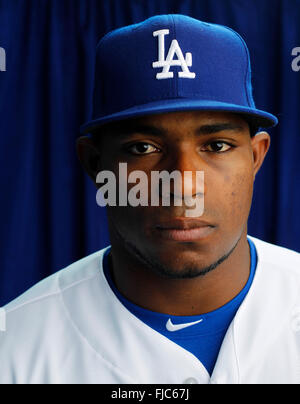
181	295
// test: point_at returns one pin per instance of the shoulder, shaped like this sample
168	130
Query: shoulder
39	312
266	326
39	325
277	274
51	287
277	257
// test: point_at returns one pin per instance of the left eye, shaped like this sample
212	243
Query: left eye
218	147
142	148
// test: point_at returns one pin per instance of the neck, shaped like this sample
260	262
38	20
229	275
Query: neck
182	297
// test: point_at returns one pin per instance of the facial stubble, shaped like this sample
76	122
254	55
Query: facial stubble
166	272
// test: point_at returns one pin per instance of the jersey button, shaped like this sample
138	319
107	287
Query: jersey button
191	380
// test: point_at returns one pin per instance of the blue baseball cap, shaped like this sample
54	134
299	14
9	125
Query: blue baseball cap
171	63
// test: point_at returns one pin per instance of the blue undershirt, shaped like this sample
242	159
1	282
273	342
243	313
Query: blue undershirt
203	339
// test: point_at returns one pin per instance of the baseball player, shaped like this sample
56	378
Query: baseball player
180	296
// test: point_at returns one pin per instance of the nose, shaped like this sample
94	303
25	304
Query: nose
189	180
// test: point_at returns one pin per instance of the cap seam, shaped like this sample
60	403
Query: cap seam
170	96
247	63
175	76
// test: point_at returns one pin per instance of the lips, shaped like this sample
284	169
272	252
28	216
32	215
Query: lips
182	224
183	229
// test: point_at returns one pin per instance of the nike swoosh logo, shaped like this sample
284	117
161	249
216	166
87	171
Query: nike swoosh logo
175	327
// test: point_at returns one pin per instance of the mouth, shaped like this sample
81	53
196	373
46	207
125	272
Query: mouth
183	229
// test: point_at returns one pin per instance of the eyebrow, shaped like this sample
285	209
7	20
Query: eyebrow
133	128
130	129
218	127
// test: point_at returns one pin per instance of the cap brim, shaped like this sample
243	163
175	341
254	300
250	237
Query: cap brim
259	118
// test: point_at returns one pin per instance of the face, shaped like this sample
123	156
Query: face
162	237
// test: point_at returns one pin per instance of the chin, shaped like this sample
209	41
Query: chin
184	261
183	273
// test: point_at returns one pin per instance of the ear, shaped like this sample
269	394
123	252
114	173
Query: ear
260	146
89	156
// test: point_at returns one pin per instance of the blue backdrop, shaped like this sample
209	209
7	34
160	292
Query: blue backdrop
49	216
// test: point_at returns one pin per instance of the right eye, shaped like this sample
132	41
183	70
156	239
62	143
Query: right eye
142	148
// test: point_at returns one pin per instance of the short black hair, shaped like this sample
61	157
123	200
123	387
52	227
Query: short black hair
253	129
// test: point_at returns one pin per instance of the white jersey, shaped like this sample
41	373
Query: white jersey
71	328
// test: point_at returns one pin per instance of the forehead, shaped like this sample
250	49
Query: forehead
175	122
192	118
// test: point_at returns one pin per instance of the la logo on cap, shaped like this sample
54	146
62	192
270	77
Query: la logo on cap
184	62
